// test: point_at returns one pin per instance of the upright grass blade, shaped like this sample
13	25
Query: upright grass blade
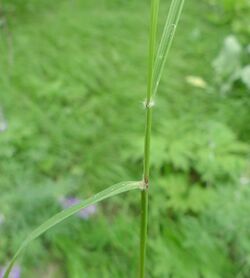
166	41
58	218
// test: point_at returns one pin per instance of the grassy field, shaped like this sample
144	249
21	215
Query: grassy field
72	84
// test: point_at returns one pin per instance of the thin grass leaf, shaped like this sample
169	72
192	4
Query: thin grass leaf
152	47
166	40
59	217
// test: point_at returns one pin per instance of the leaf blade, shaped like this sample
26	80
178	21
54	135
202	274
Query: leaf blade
166	41
61	216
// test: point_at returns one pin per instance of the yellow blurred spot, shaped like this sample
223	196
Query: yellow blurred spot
196	81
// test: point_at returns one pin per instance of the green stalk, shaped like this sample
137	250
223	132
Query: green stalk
157	60
147	140
155	69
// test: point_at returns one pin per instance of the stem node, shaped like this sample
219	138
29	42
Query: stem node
145	184
149	104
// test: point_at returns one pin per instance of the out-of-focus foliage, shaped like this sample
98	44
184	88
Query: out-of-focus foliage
229	67
234	13
72	122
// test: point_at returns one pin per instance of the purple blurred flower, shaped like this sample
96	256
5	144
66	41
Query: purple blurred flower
3	122
15	273
85	213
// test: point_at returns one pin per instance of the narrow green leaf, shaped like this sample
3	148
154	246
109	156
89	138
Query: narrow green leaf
59	217
152	47
166	40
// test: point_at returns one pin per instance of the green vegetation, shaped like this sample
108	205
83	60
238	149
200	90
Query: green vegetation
72	83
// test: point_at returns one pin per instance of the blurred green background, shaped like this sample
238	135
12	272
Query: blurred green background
72	83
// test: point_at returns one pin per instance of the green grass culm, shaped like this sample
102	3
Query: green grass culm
156	62
73	78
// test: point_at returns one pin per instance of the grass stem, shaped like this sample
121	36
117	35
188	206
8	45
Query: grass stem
156	62
147	140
